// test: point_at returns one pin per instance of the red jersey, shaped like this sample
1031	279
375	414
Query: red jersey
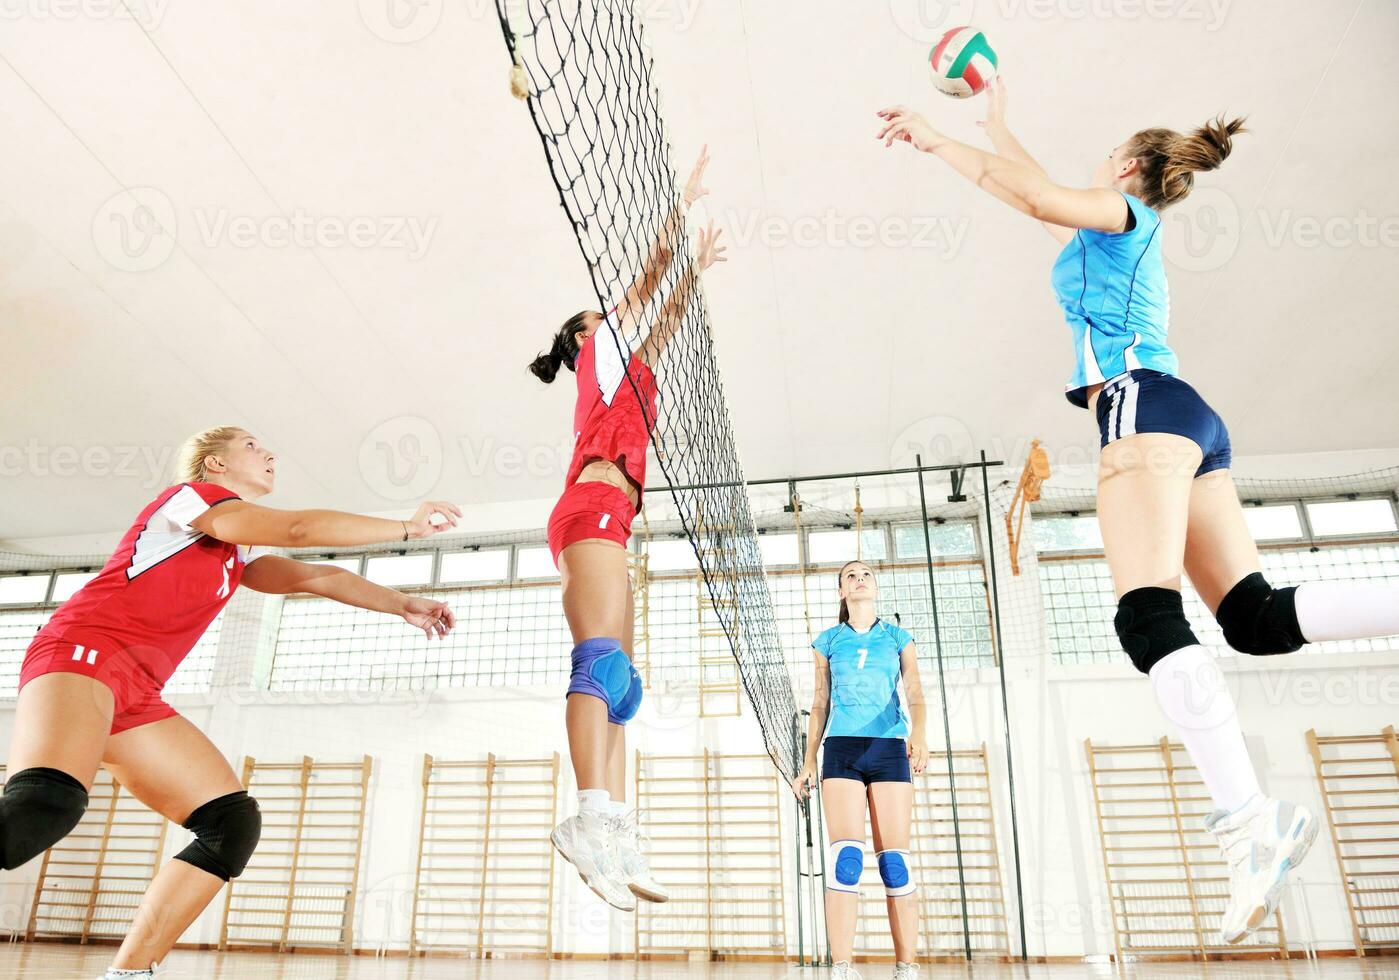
609	422
162	588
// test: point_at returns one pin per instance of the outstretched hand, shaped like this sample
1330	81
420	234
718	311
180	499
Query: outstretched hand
995	104
421	525
433	618
710	251
907	126
694	187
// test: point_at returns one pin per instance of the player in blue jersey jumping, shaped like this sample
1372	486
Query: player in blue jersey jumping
1166	499
872	747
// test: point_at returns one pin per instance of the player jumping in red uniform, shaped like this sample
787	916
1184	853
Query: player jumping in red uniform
588	532
90	686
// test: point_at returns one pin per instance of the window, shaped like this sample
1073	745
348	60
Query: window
954	539
670	555
475	566
838	547
349	564
1274	522
1067	533
67	583
396	570
23	590
1351	517
778	549
535	563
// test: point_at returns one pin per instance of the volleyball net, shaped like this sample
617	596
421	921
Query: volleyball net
585	70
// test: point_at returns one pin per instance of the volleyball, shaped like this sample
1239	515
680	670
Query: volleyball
963	62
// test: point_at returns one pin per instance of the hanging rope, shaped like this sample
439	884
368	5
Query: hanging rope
859	525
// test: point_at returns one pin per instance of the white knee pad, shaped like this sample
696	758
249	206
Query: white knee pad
845	862
896	873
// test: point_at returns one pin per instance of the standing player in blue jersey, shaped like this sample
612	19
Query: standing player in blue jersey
871	746
1166	499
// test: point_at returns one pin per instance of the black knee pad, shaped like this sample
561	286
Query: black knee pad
1259	619
39	808
226	832
1151	624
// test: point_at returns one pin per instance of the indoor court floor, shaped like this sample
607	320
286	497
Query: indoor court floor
55	962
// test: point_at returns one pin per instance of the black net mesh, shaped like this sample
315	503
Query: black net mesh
594	100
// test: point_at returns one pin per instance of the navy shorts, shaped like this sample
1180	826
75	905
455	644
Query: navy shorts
870	760
1149	401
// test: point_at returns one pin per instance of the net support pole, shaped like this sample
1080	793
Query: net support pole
1005	701
946	720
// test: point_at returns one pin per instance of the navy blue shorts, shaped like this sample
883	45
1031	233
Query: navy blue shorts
870	760
1149	401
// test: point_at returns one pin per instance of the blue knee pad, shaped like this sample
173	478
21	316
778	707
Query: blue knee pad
845	865
602	670
895	873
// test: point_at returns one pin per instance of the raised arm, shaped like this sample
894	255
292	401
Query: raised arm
239	522
820	709
672	314
1011	148
1027	190
276	575
917	708
648	280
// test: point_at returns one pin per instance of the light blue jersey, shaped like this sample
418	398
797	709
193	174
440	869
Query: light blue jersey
1112	288
865	671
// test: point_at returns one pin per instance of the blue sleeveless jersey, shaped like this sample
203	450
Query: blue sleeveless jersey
865	671
1112	288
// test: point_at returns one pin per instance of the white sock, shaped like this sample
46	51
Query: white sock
1191	691
597	801
619	808
1347	610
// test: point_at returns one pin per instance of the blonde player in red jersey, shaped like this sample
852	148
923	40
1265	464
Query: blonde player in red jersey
90	686
588	532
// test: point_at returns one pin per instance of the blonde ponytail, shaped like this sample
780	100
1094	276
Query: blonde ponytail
189	465
1168	160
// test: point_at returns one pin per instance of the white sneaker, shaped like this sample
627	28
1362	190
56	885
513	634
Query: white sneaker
842	970
635	868
905	971
1263	840
586	841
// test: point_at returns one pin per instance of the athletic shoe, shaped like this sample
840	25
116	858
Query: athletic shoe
842	970
905	971
1262	841
635	868
587	841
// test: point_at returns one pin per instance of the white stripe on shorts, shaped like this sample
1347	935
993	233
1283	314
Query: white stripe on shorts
1127	424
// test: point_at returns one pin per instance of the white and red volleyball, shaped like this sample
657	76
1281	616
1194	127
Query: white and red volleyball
963	62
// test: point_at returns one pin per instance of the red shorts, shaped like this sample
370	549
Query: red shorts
590	510
135	692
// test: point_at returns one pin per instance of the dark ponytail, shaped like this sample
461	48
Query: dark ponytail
840	579
1170	160
563	352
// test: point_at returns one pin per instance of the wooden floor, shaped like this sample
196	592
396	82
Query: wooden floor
75	963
